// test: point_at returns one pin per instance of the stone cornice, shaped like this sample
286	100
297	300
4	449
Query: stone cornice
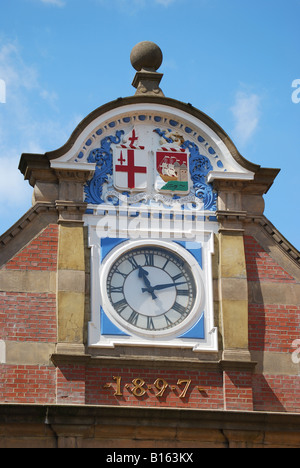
280	240
154	362
22	223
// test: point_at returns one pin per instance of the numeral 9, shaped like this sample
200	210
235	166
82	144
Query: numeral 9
161	385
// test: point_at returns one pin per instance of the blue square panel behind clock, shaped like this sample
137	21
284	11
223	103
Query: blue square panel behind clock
107	244
197	332
194	248
108	328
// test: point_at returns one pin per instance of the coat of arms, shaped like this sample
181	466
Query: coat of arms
172	171
130	165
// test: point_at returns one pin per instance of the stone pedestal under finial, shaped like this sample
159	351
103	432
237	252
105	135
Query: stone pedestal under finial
146	57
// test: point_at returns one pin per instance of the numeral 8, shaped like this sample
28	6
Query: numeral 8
138	389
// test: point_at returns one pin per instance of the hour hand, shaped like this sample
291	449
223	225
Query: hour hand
143	274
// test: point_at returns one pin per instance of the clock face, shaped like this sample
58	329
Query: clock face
151	289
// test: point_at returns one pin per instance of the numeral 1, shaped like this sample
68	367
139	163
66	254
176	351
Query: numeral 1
118	391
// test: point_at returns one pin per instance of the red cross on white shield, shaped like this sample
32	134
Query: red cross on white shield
130	168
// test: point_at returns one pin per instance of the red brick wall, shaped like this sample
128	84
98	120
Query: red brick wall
27	384
276	393
261	267
40	254
80	385
28	317
272	328
31	316
238	391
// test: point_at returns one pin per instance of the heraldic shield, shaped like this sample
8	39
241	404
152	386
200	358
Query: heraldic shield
130	166
172	171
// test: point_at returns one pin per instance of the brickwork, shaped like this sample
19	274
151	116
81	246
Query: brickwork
40	254
28	317
261	267
27	384
238	391
273	327
276	393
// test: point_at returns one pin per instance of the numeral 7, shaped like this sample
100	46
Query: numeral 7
188	383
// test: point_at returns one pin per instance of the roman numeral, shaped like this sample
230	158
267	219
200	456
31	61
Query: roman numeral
133	318
149	259
133	263
183	292
179	308
150	323
169	322
120	306
122	274
175	278
116	289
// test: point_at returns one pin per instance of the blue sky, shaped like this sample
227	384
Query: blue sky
235	60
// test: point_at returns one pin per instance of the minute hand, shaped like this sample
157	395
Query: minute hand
165	286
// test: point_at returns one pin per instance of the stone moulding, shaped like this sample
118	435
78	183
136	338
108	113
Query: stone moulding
61	426
22	223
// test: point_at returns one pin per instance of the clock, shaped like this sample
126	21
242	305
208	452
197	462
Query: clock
152	288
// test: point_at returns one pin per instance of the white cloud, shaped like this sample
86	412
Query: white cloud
246	112
22	129
2	91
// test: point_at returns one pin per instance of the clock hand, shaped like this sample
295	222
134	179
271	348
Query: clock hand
143	274
164	286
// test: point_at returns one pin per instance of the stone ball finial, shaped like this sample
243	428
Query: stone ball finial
146	55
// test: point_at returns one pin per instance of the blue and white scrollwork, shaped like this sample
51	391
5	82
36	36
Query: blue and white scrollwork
200	166
104	168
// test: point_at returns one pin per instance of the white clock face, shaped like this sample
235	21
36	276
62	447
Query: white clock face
151	289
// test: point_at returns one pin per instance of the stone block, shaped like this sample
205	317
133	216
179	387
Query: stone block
71	248
70	317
